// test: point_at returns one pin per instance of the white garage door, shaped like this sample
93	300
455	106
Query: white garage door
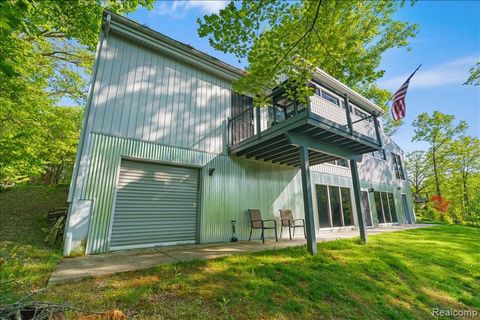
156	204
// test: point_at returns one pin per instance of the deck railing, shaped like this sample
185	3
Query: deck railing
255	120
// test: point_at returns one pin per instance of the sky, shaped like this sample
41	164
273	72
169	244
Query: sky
447	45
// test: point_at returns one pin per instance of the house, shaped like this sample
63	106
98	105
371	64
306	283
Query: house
169	154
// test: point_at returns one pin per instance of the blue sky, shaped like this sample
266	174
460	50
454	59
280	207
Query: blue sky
447	45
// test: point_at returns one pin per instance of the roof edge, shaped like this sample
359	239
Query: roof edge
131	29
343	88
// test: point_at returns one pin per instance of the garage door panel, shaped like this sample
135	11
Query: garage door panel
156	197
155	204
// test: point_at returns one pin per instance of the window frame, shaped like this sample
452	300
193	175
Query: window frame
371	154
334	163
328	188
385	205
319	90
398	167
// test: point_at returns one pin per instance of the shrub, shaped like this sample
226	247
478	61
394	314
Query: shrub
440	204
445	217
429	214
456	214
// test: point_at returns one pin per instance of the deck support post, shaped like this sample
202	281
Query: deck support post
307	200
348	115
358	203
377	130
258	121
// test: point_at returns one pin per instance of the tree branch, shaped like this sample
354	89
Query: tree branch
309	30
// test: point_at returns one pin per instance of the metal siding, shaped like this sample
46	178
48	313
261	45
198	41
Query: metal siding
235	186
154	204
239	184
106	151
145	95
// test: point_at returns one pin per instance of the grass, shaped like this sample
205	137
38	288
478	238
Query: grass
401	275
26	261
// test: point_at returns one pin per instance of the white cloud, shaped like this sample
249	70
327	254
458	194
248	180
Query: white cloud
453	72
179	8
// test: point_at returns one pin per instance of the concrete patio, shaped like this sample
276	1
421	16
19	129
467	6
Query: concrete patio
70	269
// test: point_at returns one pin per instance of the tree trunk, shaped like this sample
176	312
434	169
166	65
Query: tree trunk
435	173
465	190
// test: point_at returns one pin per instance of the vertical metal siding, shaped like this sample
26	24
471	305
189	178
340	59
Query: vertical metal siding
235	186
144	95
105	153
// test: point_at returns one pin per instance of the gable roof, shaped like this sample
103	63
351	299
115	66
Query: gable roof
130	29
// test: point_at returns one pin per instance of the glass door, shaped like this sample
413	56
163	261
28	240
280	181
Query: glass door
367	213
405	208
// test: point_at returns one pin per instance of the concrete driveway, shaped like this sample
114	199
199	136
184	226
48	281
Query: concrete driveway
70	269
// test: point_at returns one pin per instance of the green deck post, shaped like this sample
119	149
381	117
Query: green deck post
307	200
358	203
347	113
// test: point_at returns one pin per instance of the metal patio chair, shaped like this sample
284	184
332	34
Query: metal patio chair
287	221
256	222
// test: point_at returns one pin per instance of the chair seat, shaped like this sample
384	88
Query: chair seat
256	222
287	221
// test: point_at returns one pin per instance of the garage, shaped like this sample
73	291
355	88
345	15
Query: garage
156	204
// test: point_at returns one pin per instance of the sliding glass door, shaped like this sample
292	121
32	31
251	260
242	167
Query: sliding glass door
385	205
367	213
323	206
334	206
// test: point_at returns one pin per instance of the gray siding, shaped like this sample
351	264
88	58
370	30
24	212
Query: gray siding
236	185
145	95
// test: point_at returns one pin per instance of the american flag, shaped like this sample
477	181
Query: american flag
398	104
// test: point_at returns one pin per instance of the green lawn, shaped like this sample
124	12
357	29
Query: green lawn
401	275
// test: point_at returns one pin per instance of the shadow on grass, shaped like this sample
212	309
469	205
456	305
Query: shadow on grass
397	275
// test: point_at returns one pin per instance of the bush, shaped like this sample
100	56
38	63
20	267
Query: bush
445	217
429	214
456	214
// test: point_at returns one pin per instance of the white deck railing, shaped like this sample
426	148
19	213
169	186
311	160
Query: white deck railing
328	110
337	114
245	124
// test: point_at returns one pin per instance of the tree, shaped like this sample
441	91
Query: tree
474	78
418	171
46	54
281	38
465	161
437	130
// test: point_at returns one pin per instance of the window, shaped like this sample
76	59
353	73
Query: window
323	211
327	96
379	154
339	162
378	205
397	165
385	204
386	209
362	115
334	206
393	211
346	207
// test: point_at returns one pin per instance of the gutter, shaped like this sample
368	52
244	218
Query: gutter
334	83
